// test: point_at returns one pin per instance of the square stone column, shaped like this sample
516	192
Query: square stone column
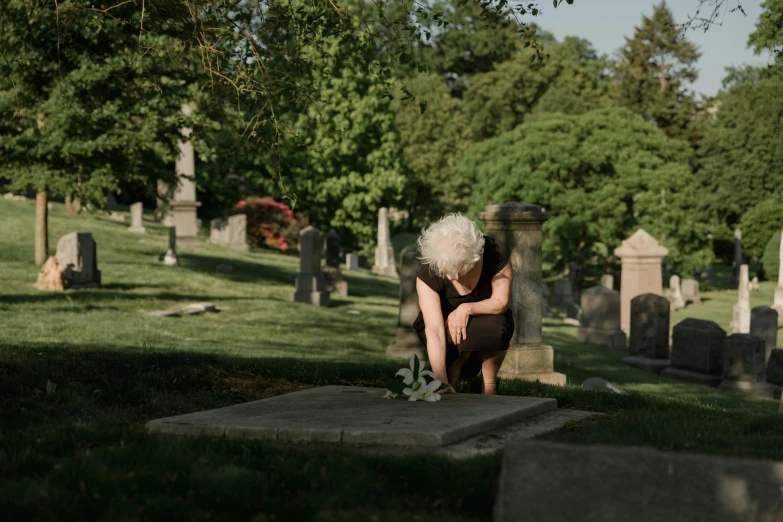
310	283
778	303
137	218
641	256
406	341
184	206
384	252
740	322
518	225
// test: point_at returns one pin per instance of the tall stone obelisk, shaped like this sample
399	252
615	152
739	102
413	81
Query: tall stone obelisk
384	252
184	206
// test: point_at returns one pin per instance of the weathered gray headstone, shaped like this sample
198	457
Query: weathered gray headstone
384	252
744	367
778	303
697	352
623	484
600	319
563	295
741	313
775	367
332	274
607	281
170	257
310	283
77	254
764	324
218	232
690	291
406	341
649	332
675	295
237	232
137	218
351	262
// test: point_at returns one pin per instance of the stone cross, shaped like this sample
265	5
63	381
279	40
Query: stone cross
406	341
599	324
764	324
351	262
310	283
384	252
184	205
641	256
778	303
737	254
518	225
675	295
77	255
650	326
170	257
137	218
332	274
741	314
607	281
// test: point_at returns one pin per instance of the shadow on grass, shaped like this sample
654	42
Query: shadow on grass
372	287
79	296
241	271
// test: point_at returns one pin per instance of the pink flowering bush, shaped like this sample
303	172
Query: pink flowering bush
270	223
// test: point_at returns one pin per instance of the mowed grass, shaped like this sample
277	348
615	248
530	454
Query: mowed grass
81	452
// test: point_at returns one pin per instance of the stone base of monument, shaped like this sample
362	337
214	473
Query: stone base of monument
691	376
760	389
620	484
647	363
609	339
311	290
137	230
385	271
358	416
406	344
531	363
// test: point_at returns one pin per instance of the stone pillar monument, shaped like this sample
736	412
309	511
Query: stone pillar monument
740	322
310	283
407	342
384	252
737	255
184	205
518	225
641	256
675	294
137	218
778	303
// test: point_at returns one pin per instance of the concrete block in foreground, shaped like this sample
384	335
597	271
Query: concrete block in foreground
549	482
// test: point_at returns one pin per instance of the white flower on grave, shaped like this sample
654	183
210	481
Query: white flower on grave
391	395
407	374
421	391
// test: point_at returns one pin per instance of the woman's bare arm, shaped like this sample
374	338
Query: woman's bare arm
435	329
501	292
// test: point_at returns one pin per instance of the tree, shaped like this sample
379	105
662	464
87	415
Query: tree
572	81
768	35
432	143
654	69
759	224
602	174
741	158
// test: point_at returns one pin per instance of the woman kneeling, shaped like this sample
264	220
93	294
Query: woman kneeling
463	285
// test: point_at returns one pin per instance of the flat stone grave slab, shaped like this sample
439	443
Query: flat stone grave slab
550	482
353	415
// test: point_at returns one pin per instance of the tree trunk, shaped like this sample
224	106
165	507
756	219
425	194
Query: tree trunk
41	227
72	205
663	75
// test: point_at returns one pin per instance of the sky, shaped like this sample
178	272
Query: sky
606	23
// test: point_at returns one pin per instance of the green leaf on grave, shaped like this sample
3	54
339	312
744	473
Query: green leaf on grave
394	385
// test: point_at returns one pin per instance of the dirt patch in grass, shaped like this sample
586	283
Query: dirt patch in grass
253	387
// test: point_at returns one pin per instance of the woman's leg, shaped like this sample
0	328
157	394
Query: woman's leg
490	366
455	369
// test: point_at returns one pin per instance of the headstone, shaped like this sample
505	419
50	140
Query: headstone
600	319
184	204
218	232
778	303
597	383
775	367
351	262
649	332
384	252
170	257
137	218
563	295
744	367
237	232
518	225
638	484
78	257
406	341
764	324
310	283
50	277
754	284
737	256
607	281
332	274
697	352
675	295
363	262
741	313
690	291
641	256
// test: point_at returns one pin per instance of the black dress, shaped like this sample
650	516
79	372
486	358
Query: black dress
489	333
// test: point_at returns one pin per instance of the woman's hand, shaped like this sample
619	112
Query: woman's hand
457	323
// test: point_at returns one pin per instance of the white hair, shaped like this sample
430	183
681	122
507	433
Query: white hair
451	246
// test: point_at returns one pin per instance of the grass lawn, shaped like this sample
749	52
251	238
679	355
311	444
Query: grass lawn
81	452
